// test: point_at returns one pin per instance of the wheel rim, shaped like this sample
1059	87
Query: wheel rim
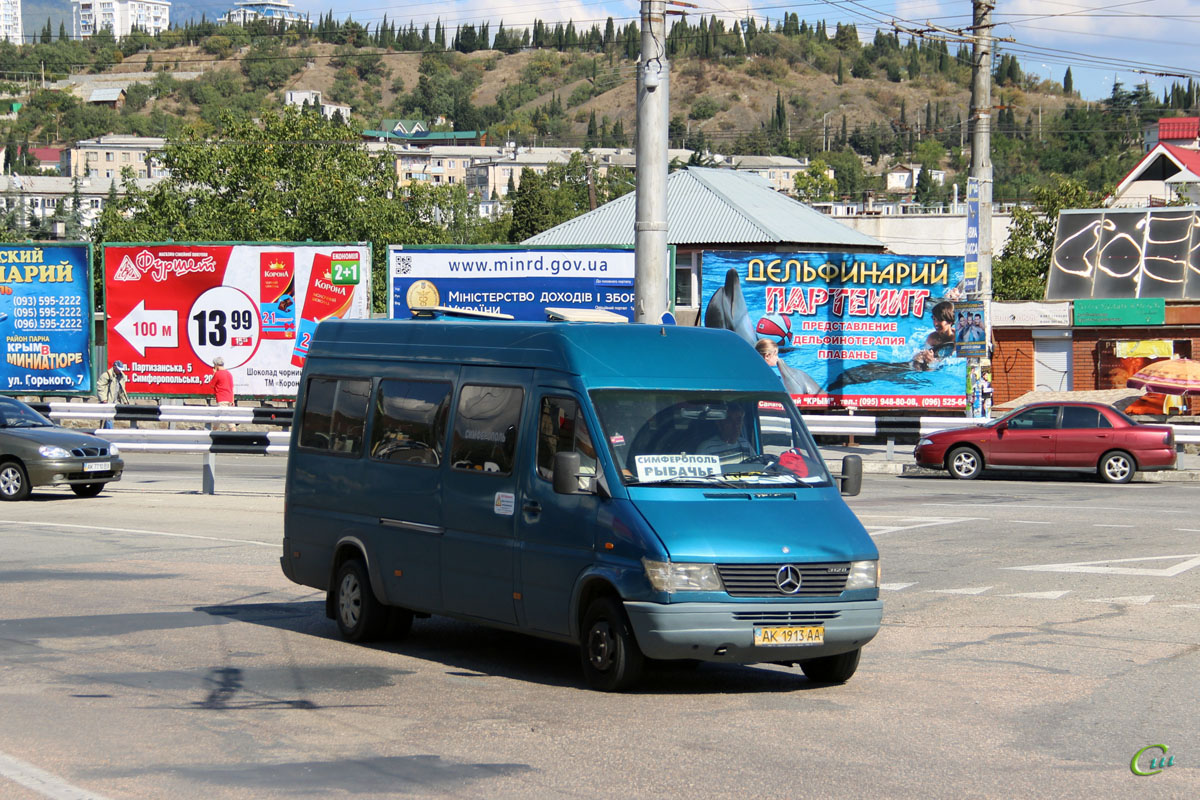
1117	468
350	600
601	645
10	481
964	463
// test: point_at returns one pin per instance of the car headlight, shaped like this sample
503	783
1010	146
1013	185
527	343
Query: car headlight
53	451
666	576
113	450
924	441
863	575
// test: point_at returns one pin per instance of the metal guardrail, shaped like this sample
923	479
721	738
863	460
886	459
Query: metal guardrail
211	443
132	412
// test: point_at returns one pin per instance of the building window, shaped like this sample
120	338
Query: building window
95	203
451	164
124	156
108	157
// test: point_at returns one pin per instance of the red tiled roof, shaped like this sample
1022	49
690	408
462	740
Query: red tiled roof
1178	128
46	155
1190	159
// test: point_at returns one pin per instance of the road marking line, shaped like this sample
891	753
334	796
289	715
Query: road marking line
1102	525
1031	521
41	781
1101	568
895	587
876	530
138	530
1132	600
1186	605
1188	530
1040	595
970	590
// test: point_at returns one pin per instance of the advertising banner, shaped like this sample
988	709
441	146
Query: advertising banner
174	308
971	263
521	281
854	330
46	317
970	335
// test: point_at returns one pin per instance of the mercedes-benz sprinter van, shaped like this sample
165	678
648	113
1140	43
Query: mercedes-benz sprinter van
644	491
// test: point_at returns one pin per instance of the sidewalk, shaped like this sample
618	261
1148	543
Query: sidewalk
876	462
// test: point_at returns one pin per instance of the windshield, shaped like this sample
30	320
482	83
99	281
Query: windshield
15	414
708	438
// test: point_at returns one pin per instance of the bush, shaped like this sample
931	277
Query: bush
704	108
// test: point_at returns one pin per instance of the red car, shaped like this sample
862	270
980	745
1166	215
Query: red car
1063	436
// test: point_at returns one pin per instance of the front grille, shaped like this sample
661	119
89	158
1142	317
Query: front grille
777	617
89	452
758	580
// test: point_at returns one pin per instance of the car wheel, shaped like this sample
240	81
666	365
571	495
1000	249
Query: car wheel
1117	467
14	482
360	617
612	660
87	489
832	669
965	463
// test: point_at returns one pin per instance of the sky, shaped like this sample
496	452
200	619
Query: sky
1101	40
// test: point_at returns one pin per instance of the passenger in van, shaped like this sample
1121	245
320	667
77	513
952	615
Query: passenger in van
729	442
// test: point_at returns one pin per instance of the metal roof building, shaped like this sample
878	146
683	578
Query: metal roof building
713	209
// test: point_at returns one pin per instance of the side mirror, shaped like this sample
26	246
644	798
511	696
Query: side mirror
566	473
1001	427
851	475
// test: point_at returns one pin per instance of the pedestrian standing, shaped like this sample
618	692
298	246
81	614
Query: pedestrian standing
110	388
222	386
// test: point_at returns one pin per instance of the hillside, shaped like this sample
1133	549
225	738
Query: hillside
793	90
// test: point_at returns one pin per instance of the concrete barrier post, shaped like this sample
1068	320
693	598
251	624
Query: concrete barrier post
208	478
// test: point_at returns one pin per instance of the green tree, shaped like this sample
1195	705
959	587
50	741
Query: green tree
814	184
289	177
1020	271
530	208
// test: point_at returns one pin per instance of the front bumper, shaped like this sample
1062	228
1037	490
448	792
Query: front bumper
725	631
50	472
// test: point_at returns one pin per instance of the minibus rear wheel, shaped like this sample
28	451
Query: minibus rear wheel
832	669
360	617
612	660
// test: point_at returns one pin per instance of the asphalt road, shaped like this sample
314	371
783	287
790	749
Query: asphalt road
1036	635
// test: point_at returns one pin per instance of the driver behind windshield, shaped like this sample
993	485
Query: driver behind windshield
729	442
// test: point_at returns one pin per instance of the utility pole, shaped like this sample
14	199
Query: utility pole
650	226
981	144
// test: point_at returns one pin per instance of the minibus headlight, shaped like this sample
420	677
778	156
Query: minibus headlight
666	576
863	575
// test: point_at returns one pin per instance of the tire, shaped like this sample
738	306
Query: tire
360	617
612	660
1117	467
87	489
964	463
832	669
14	481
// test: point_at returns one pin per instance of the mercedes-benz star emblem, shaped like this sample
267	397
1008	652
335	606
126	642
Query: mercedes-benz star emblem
788	579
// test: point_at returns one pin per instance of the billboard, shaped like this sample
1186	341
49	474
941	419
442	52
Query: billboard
46	316
1110	253
173	308
521	281
854	330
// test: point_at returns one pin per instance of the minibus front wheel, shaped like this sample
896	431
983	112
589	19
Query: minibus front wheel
832	669
612	660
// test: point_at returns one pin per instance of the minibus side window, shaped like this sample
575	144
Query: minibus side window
561	429
485	428
335	414
410	421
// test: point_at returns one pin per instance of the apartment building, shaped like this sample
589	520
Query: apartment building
120	16
107	157
298	97
10	22
245	11
43	196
